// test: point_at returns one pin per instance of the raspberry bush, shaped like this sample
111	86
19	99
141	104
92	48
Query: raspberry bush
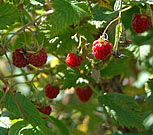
76	67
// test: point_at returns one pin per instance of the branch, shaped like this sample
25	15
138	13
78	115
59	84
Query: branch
34	72
25	26
12	94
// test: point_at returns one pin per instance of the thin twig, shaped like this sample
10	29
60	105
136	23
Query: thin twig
12	94
34	72
109	25
25	26
123	10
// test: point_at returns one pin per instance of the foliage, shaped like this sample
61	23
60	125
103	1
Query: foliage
122	84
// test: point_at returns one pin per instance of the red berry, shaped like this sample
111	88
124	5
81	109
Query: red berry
51	91
73	60
4	89
101	50
84	93
18	58
46	110
140	23
37	59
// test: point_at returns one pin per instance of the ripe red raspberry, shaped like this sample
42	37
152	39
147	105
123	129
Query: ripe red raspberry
51	91
18	58
37	59
140	23
73	60
84	93
46	110
101	50
4	89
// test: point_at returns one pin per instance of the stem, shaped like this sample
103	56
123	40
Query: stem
35	72
17	75
25	26
25	38
116	40
150	13
18	105
109	25
93	88
12	94
117	35
123	10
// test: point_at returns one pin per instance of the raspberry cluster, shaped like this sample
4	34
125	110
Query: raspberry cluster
101	50
21	59
140	23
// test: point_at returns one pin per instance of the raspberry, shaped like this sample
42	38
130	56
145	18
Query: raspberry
37	59
51	91
4	89
84	93
140	23
18	58
46	110
101	50
73	60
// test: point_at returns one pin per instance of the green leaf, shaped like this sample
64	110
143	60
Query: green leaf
122	108
88	31
65	14
8	15
62	128
24	128
115	68
20	42
71	76
140	52
3	131
63	43
103	14
29	109
37	2
149	90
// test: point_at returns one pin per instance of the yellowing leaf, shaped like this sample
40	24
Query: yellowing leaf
105	3
54	62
